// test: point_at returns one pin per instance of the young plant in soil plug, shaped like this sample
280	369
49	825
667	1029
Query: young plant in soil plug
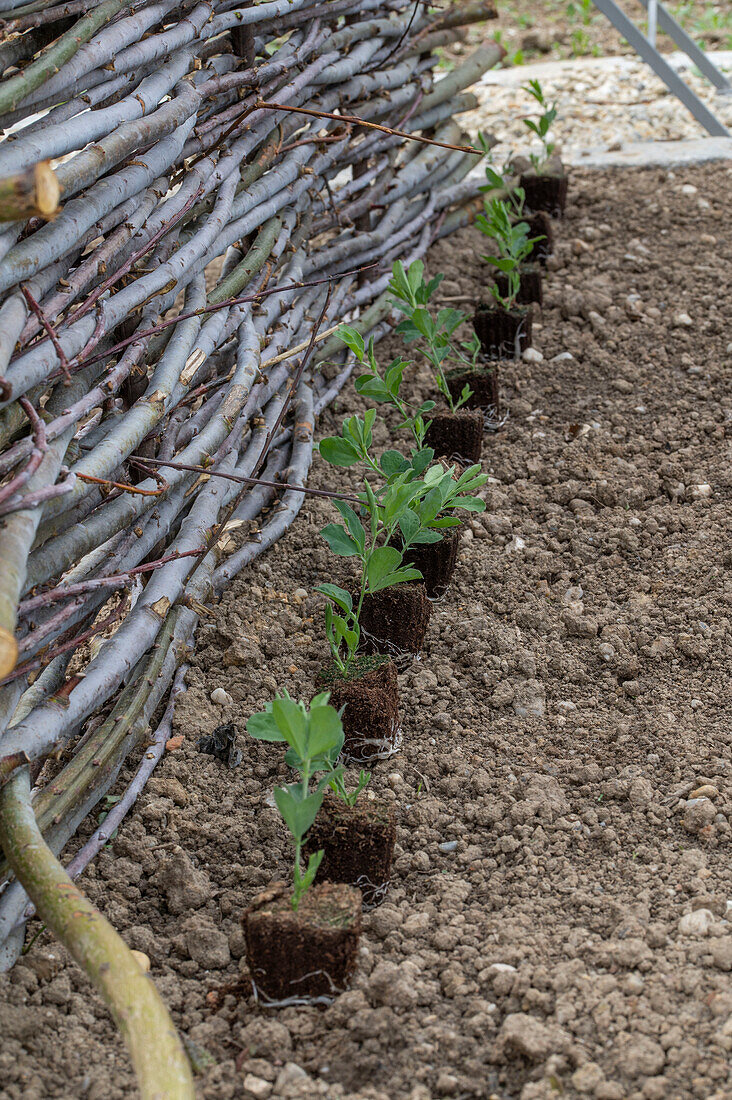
539	224
429	532
453	432
433	555
504	329
302	940
545	184
387	390
384	615
530	289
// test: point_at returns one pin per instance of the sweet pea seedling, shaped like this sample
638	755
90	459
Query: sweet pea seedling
543	126
514	247
315	739
417	500
437	334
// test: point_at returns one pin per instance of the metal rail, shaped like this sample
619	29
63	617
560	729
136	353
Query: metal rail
646	48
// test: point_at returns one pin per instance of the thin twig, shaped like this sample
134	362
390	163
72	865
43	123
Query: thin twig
115	580
353	120
331	495
50	330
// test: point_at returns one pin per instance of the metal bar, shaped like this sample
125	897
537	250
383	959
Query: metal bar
668	25
652	21
662	69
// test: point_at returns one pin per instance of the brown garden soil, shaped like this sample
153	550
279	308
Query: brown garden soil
573	692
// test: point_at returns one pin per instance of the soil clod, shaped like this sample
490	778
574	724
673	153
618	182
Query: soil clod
395	620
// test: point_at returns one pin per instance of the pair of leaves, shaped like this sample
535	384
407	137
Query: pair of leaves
309	733
409	286
353	444
298	812
384	569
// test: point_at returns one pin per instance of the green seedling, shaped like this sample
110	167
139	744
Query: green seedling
436	334
338	786
514	248
413	506
542	127
386	389
315	739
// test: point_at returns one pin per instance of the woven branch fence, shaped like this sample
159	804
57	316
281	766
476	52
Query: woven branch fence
190	201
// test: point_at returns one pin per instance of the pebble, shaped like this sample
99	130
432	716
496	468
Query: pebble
448	846
299	595
564	355
707	790
700	492
688	189
221	697
256	1086
697	923
682	320
698	813
141	959
532	355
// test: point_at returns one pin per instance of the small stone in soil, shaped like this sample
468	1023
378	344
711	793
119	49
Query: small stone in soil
221	697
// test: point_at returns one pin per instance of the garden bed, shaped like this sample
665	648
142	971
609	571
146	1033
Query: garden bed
572	693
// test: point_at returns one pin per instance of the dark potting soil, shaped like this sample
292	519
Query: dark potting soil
436	561
395	620
531	286
540	225
370	695
503	334
357	843
548	193
308	953
456	436
483	381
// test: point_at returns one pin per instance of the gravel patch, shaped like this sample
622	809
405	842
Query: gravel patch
604	105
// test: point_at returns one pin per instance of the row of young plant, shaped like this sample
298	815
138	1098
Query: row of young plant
401	529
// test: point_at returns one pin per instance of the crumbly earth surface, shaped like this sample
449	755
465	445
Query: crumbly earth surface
558	921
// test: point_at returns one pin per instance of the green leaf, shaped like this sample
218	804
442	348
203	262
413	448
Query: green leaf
292	722
326	731
298	813
340	541
373	508
369	386
340	597
409	526
368	423
352	522
382	562
393	376
425	538
264	727
338	451
399	576
353	339
423	323
392	463
421	460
